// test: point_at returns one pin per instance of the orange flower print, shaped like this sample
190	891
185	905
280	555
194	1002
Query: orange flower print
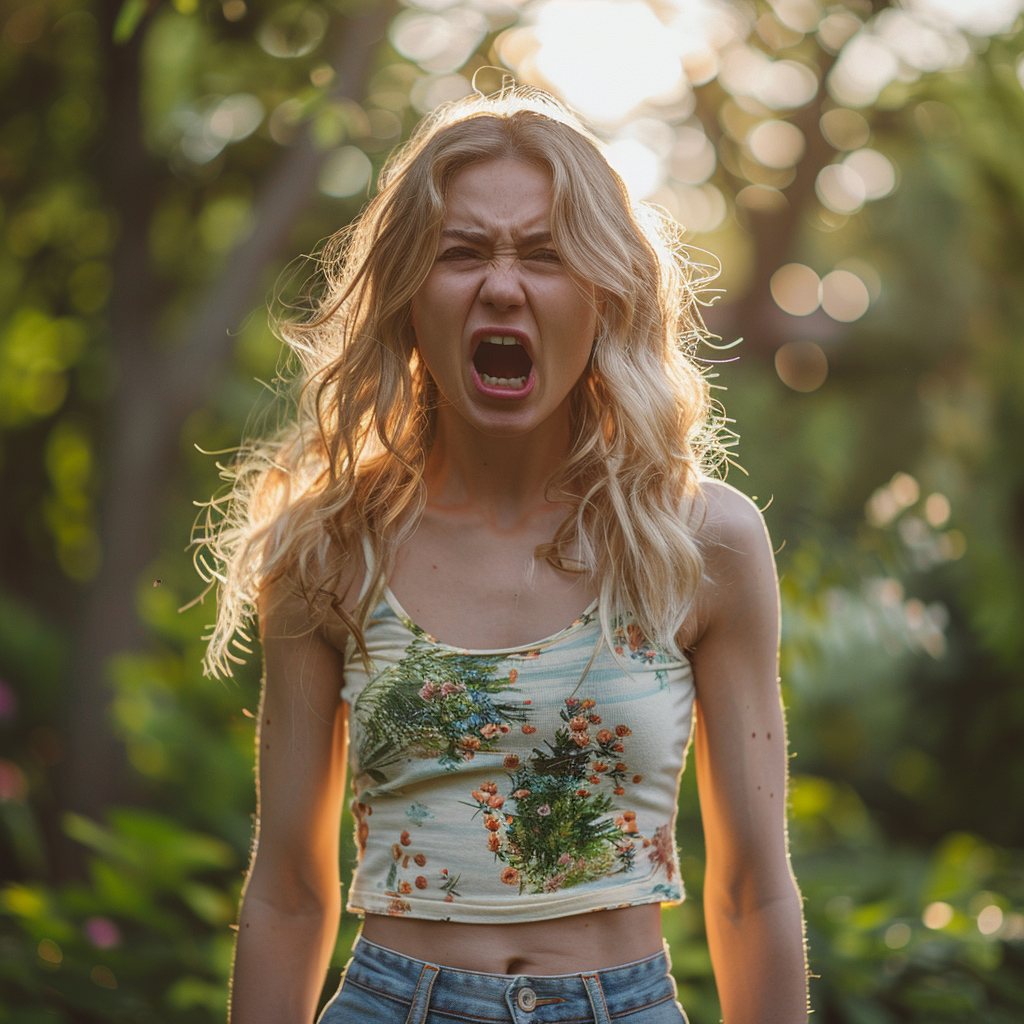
638	778
581	739
421	882
588	703
636	637
619	791
469	743
529	730
510	876
479	796
605	736
571	702
600	766
449	898
577	724
618	651
618	748
405	839
492	824
595	780
495	801
583	792
404	888
493	843
396	851
489	731
623	730
398	907
511	761
594	719
420	859
503	729
629	815
620	767
520	794
513	676
489	787
661	852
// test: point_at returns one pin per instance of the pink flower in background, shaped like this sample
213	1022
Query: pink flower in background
102	932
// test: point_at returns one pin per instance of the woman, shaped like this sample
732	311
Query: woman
501	438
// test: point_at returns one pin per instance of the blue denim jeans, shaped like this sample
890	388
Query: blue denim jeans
380	986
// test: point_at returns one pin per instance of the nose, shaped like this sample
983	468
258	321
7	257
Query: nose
502	286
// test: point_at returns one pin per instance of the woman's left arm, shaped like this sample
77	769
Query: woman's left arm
752	906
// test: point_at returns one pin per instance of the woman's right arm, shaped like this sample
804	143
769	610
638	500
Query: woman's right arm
291	903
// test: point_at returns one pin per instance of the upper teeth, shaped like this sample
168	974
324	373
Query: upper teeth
498	339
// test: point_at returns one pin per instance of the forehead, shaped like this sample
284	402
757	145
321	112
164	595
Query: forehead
504	196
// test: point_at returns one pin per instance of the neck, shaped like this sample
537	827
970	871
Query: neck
502	479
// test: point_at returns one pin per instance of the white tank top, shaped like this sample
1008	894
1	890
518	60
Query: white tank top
516	784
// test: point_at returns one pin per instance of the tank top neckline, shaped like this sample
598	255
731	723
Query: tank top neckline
585	617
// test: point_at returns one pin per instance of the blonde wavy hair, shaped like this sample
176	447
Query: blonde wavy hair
349	466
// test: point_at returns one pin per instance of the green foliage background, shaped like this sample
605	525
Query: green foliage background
126	777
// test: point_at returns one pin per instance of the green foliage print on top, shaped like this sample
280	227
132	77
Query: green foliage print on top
433	703
562	832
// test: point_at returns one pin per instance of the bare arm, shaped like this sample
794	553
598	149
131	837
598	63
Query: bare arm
291	905
751	902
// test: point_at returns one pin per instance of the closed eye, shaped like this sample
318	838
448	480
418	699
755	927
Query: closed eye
545	255
459	252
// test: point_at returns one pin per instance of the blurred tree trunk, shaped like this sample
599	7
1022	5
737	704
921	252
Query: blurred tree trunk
158	383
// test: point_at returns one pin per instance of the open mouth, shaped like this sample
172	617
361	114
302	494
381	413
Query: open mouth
501	361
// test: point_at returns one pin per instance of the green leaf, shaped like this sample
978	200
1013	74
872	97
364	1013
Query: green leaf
128	19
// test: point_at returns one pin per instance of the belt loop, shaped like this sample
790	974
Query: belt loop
595	994
421	997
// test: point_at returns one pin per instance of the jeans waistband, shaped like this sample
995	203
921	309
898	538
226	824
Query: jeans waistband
625	988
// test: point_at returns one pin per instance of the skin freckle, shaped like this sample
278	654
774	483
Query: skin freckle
753	735
769	735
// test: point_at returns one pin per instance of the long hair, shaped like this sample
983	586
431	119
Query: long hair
349	466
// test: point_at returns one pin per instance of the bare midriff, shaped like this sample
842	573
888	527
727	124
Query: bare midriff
565	945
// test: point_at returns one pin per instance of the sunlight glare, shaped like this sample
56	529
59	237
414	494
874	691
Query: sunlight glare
693	158
980	17
637	165
864	68
605	58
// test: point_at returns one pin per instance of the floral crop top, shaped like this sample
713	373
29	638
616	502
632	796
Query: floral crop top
514	784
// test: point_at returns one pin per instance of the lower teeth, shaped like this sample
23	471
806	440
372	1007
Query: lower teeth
512	383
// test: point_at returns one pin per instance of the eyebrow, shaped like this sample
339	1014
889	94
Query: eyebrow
479	237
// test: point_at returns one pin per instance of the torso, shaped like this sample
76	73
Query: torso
437	578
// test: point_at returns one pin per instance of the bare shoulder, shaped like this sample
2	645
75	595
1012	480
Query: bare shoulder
288	609
739	567
733	532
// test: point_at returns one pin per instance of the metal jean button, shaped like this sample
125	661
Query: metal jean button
527	999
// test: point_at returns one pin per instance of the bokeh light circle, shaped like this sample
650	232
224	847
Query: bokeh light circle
844	296
801	365
796	289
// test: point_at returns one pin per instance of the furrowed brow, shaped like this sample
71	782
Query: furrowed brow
481	237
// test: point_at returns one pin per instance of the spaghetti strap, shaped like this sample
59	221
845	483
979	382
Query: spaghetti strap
368	563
